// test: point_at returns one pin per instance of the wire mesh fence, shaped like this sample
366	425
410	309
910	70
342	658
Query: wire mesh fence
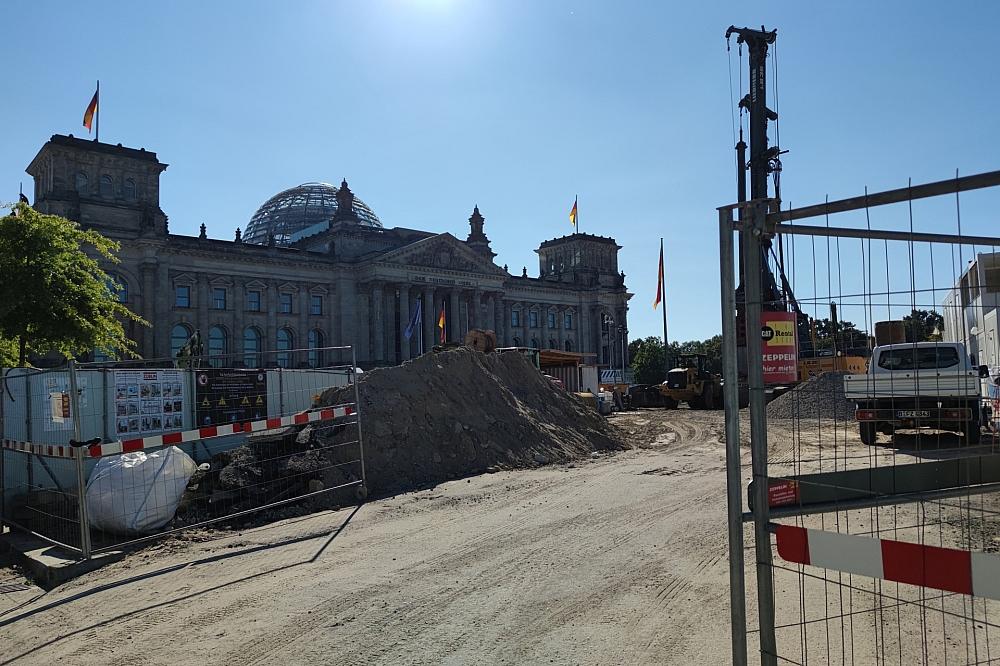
159	446
873	475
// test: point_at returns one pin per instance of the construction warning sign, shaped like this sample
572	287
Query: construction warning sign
780	347
230	396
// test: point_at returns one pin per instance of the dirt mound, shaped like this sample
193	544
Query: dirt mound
821	397
460	412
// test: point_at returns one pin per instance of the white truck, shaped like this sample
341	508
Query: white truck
921	385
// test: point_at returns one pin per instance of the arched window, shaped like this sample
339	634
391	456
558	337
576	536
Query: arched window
553	344
251	348
534	343
107	186
315	342
217	346
569	345
118	286
284	345
178	338
81	182
517	341
130	189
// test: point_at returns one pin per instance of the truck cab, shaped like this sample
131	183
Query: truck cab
917	385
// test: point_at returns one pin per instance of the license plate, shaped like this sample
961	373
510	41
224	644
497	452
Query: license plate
913	414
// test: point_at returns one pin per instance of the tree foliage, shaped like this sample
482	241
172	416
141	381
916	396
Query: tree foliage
54	296
923	326
647	356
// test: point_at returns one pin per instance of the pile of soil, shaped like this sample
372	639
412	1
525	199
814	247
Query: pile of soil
821	397
461	412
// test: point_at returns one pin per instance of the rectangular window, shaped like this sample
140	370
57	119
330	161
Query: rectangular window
992	276
218	298
182	296
515	318
568	321
552	320
533	319
253	301
285	304
315	305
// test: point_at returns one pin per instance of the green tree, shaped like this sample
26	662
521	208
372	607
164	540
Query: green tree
647	360
54	296
923	326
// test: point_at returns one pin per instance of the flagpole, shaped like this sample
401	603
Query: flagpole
576	204
663	290
97	114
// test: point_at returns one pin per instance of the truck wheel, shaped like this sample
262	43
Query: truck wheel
708	396
869	435
972	432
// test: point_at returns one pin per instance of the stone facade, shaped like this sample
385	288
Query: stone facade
345	285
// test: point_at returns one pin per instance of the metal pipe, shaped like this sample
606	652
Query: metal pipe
758	433
882	500
731	397
963	184
357	406
908	236
81	453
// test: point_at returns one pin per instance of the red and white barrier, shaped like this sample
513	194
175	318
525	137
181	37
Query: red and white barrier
949	569
174	438
48	450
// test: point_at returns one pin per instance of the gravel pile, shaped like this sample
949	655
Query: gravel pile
821	397
460	412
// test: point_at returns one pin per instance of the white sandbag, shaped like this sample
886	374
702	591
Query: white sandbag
137	493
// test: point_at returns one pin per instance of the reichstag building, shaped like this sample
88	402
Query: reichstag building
315	267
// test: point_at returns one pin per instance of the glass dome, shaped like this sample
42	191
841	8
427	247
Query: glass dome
298	208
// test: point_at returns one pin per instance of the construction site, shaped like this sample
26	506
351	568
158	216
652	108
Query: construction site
822	489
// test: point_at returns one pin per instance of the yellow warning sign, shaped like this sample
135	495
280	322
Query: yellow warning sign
222	402
245	401
260	400
205	402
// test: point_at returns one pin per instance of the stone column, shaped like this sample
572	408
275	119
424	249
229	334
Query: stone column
405	346
561	327
507	328
526	323
454	321
477	308
302	323
164	300
237	304
544	324
430	313
378	323
347	298
490	320
148	270
270	334
391	328
361	334
203	296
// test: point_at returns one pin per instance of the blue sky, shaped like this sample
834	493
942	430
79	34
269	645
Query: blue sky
429	107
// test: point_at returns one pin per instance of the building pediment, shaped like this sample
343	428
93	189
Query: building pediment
443	252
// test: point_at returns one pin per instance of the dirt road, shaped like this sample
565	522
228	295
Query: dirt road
617	559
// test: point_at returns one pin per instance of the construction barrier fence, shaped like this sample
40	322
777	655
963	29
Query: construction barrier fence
864	506
98	456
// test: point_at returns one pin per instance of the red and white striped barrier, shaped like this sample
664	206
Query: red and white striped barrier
939	568
174	438
210	432
49	450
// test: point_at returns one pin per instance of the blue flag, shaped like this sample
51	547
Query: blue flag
414	323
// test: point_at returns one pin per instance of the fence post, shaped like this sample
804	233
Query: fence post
357	406
731	398
80	456
752	260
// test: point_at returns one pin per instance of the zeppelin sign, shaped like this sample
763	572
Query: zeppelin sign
780	350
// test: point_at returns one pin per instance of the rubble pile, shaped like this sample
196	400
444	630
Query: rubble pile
820	397
460	412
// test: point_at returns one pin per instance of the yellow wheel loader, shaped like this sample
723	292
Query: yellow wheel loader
691	382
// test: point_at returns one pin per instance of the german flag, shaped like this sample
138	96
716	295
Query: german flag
659	281
572	213
88	115
441	323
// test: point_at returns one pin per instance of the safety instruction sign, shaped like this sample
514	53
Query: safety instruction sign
230	396
149	401
779	340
